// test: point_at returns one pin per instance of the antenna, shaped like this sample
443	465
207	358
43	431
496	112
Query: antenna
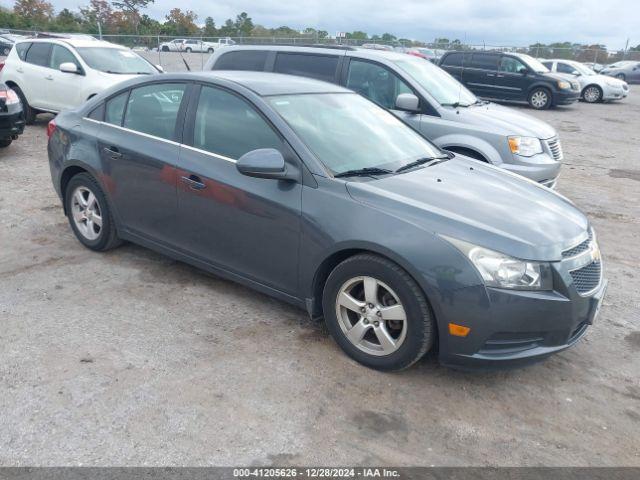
462	71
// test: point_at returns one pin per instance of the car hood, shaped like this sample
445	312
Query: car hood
114	78
508	120
481	204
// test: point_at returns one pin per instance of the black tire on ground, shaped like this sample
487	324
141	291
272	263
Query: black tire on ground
210	50
188	50
5	142
621	76
540	98
29	113
420	324
165	49
592	94
107	237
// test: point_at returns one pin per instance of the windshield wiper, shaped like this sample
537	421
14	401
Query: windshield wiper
126	73
361	172
422	161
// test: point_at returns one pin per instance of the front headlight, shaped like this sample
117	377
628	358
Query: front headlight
562	85
525	146
502	271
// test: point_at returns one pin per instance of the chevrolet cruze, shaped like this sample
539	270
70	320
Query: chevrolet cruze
313	194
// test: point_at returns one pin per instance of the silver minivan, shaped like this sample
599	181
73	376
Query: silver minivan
424	96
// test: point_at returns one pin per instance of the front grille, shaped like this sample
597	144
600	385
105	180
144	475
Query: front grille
587	278
578	249
553	144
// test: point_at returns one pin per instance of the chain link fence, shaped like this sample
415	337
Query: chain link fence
175	53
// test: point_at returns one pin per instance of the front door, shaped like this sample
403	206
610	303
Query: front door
63	86
247	226
512	78
139	150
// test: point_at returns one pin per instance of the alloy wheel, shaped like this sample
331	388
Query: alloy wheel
539	99
592	94
86	213
371	316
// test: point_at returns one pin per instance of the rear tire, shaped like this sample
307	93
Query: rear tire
377	313
210	50
540	98
89	214
165	49
5	142
188	50
592	94
29	113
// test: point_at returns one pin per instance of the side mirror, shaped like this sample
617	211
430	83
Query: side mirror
160	69
69	67
408	102
263	163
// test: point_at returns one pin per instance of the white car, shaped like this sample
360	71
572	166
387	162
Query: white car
50	75
193	45
594	87
172	46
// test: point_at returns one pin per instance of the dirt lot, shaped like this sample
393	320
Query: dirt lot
129	358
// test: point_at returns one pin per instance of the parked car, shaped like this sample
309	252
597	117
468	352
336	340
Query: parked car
6	42
377	46
442	110
511	77
596	67
11	116
594	88
50	75
425	53
193	45
628	71
172	46
310	193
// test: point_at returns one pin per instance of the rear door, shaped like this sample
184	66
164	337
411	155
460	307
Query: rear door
320	66
244	225
480	75
63	87
454	63
37	75
139	148
251	60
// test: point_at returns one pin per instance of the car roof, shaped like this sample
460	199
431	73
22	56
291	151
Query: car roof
74	42
323	50
265	83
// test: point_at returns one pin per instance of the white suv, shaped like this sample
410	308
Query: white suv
50	75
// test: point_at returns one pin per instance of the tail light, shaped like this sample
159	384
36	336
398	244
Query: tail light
1	66
9	96
51	127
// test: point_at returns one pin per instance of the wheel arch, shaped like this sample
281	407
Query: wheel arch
475	145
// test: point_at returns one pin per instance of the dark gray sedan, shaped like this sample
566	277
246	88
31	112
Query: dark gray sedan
308	192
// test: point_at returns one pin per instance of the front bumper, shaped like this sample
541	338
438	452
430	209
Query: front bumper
566	97
511	328
615	93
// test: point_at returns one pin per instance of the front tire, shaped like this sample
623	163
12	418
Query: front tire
210	50
592	94
377	313
188	50
5	142
540	98
29	113
165	49
89	214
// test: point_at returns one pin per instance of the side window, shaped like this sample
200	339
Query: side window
114	110
375	82
154	109
565	68
38	54
253	60
485	61
512	65
218	116
322	67
453	60
549	65
21	49
97	113
60	55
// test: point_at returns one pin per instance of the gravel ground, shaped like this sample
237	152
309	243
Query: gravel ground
130	358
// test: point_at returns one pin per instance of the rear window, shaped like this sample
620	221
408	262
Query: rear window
486	61
322	67
253	60
38	54
21	49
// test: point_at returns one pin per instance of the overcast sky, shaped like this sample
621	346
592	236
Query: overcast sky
504	22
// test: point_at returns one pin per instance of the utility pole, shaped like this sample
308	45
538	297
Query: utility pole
99	30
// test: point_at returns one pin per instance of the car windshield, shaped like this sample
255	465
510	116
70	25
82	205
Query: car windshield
533	64
348	132
582	69
443	87
114	60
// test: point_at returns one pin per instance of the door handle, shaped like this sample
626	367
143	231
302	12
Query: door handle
491	74
194	182
113	152
500	75
49	77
